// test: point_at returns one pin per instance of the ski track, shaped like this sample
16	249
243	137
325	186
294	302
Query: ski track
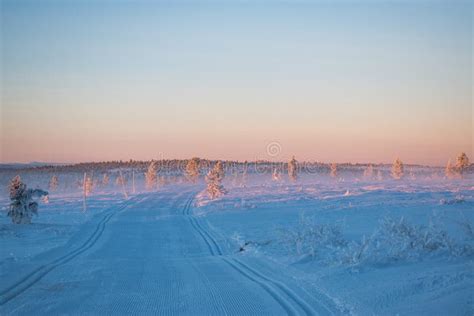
36	275
174	282
270	285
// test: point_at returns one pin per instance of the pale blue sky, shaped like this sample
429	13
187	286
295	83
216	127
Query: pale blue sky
330	81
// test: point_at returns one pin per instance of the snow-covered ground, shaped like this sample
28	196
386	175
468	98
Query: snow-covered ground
317	246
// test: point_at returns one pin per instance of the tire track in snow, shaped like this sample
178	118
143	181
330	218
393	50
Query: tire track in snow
36	275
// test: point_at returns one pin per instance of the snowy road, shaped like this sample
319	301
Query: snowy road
150	255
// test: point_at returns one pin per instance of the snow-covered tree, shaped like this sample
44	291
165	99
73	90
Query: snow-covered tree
397	169
244	174
276	175
462	163
333	170
105	180
53	183
369	172
120	180
214	179
150	175
450	171
292	169
379	175
22	205
88	186
192	170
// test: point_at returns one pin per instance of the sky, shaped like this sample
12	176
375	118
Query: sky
331	81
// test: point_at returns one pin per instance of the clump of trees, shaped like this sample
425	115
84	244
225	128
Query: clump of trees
214	179
192	170
457	170
23	205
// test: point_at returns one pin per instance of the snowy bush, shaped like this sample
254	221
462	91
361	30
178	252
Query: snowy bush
467	247
393	240
457	200
310	239
397	239
22	205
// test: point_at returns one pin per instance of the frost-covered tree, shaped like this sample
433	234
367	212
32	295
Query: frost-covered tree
369	172
214	179
120	180
53	183
462	163
22	205
379	175
150	175
244	174
88	186
192	170
105	180
449	172
397	169
276	175
333	168
292	169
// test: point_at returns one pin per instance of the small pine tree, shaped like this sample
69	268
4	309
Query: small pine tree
333	168
397	169
450	172
105	180
88	186
276	175
462	163
53	183
120	180
292	169
214	179
379	175
150	175
22	205
192	170
369	172
244	174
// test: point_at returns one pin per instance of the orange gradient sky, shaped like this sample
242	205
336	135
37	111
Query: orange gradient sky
342	82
